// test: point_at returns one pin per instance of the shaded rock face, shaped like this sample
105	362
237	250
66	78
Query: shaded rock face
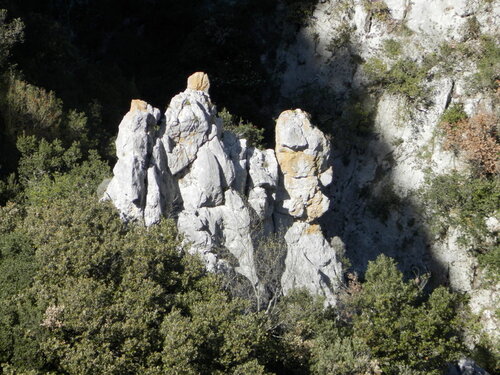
466	367
378	175
227	197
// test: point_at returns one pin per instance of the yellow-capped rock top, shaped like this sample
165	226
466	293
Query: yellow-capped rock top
198	81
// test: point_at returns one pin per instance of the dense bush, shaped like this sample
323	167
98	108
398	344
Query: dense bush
10	34
384	325
453	114
488	65
405	77
242	129
392	48
82	293
466	202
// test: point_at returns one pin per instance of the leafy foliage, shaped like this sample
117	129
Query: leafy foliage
42	158
28	109
466	202
246	130
10	34
453	114
385	325
392	47
488	65
102	297
378	9
405	77
399	327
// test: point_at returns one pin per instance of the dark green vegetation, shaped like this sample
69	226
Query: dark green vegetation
465	202
405	76
82	293
241	129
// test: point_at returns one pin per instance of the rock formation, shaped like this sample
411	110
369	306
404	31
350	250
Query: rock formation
226	196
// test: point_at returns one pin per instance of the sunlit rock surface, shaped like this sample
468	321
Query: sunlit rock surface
228	197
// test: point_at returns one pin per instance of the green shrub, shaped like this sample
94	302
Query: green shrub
465	202
9	188
40	158
376	69
488	65
17	268
378	9
405	77
10	34
381	204
360	116
341	38
383	325
241	129
402	328
83	293
392	48
31	110
453	114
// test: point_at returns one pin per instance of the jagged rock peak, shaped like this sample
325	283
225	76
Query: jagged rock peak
138	105
303	153
228	197
199	82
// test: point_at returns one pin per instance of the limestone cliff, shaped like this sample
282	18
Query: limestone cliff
225	195
388	143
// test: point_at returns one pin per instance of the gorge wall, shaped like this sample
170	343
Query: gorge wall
388	144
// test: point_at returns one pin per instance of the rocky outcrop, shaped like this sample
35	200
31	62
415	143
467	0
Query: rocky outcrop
134	146
303	154
227	197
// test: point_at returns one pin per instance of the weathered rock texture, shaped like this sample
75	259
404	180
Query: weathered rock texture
225	196
380	166
198	81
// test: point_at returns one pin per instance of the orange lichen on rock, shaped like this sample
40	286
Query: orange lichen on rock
198	81
138	105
